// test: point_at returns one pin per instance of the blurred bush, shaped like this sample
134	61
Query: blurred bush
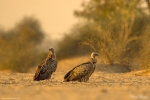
19	45
117	29
72	43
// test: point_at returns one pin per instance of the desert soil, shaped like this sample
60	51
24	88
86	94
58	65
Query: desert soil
104	84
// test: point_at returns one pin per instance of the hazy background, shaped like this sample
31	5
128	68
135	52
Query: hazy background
117	29
45	22
55	16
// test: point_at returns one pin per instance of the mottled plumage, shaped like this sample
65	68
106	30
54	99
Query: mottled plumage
47	67
83	71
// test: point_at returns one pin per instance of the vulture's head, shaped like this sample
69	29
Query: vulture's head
52	53
52	50
93	55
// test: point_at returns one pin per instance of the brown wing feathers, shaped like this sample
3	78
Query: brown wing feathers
79	73
83	71
47	67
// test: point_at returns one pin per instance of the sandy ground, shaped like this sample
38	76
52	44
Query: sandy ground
104	84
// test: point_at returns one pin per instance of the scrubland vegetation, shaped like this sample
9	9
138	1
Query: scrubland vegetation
117	29
19	45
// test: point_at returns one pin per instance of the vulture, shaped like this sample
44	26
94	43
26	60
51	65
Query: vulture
47	67
82	72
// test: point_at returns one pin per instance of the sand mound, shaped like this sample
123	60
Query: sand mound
115	68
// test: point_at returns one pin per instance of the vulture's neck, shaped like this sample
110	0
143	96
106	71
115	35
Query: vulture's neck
51	56
93	60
